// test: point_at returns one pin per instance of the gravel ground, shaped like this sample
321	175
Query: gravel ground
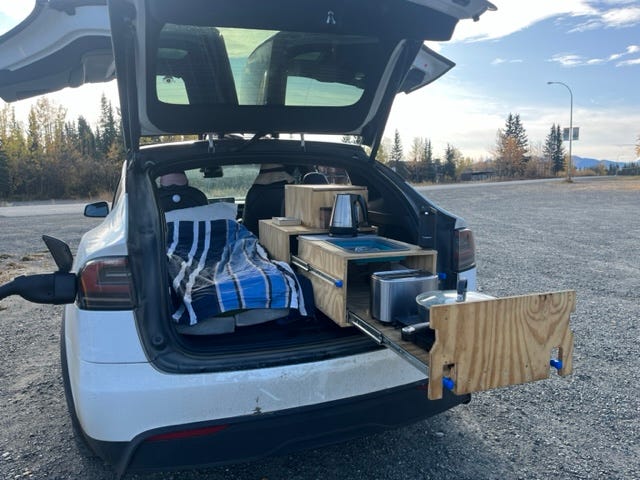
530	237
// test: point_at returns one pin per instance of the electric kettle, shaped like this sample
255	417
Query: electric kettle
349	212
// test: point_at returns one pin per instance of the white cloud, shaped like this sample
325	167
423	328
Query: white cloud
17	10
12	12
568	60
618	18
499	61
515	15
628	63
573	60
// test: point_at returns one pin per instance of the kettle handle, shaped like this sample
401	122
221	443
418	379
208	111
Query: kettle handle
363	209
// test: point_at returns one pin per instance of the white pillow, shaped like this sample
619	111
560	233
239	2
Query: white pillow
213	211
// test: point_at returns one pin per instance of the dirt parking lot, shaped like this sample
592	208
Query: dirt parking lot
531	237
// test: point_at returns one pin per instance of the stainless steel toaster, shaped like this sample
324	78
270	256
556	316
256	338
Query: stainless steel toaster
393	292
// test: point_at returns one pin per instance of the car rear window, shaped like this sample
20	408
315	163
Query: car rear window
199	65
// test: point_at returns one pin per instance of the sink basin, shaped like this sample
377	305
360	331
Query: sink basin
367	244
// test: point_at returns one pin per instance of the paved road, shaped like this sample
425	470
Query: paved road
42	209
533	237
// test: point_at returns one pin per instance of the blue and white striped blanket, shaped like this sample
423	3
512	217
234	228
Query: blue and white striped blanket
218	266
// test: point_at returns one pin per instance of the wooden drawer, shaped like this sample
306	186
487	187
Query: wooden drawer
328	266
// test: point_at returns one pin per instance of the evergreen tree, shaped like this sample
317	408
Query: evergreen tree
558	159
429	165
86	138
5	185
108	126
554	149
449	169
396	151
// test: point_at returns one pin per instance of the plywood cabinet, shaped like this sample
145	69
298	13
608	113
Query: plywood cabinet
312	203
336	273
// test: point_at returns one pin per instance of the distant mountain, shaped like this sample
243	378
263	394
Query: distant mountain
582	162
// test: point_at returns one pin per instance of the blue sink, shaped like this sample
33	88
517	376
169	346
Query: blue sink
367	244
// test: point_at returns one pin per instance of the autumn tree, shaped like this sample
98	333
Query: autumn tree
417	150
512	148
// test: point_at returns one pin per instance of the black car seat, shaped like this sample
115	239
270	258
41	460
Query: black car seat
175	193
265	198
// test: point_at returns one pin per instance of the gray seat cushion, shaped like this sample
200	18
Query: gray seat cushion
228	323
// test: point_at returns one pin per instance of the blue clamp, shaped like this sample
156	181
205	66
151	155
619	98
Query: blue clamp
557	364
338	283
442	276
448	383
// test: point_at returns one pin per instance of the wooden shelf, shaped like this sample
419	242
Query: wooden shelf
277	238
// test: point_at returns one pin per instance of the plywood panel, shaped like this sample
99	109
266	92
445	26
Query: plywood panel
276	238
493	343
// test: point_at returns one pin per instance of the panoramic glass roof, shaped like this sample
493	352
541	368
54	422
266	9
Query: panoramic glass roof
198	65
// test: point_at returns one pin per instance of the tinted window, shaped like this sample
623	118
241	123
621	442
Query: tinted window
198	65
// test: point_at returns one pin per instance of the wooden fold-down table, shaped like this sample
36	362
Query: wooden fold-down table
485	344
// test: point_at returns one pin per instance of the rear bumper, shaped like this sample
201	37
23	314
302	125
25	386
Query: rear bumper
254	436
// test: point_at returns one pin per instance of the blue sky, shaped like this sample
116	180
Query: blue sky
503	64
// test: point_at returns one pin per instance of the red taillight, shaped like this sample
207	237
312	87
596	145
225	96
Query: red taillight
194	432
105	284
464	250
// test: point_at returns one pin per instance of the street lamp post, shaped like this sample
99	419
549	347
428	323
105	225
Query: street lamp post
570	125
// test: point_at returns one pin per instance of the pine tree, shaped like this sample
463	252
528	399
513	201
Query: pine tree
558	159
5	184
554	149
450	162
429	165
108	126
396	151
86	138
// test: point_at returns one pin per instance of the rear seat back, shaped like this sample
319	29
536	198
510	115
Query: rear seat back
174	197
